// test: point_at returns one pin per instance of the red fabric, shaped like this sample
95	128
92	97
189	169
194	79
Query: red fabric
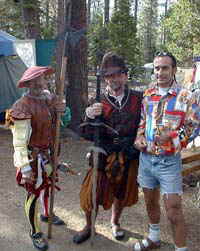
174	134
32	73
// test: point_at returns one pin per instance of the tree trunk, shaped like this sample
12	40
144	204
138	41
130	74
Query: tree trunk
106	11
77	88
31	18
89	12
136	11
115	4
164	32
150	26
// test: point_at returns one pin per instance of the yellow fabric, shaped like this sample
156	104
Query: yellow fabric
21	131
48	169
31	205
107	188
110	164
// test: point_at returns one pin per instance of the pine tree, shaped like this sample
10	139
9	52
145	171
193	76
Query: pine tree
122	32
148	29
182	25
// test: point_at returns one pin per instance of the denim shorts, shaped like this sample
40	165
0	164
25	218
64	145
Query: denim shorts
161	171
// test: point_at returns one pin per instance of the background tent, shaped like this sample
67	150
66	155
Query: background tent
11	69
7	44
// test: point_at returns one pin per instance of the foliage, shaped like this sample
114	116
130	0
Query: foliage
118	35
48	18
148	29
122	32
97	40
183	30
12	21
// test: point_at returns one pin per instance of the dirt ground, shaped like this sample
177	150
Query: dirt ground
14	228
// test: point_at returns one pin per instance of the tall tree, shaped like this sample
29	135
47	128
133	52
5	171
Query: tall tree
89	6
182	26
122	32
116	4
106	11
136	10
28	18
31	18
98	40
148	28
76	91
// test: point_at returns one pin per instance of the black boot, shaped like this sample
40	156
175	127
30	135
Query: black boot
82	236
39	242
55	219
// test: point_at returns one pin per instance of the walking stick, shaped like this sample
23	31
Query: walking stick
95	153
96	149
60	93
71	39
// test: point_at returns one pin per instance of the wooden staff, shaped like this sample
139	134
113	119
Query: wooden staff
72	38
60	93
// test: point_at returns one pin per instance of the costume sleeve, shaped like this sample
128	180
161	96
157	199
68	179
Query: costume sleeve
21	131
142	124
191	124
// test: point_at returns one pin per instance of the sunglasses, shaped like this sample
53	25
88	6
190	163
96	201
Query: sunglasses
115	72
168	54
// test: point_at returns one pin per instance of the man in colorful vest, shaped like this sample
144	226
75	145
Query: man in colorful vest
168	118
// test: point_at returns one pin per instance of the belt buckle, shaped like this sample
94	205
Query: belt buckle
116	140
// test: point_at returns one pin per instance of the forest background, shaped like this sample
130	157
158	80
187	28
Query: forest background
135	29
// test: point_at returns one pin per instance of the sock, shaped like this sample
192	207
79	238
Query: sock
154	232
181	249
154	235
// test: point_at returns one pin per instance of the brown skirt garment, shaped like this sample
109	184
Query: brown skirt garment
125	190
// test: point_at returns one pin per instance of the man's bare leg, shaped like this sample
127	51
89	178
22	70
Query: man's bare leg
152	201
174	212
117	209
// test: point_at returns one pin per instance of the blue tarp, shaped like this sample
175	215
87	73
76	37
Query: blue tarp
6	44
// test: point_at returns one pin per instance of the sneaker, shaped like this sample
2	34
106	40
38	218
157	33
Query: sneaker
39	242
55	219
117	232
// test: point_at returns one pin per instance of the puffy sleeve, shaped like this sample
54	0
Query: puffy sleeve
21	130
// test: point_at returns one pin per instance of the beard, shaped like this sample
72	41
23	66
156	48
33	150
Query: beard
115	86
36	91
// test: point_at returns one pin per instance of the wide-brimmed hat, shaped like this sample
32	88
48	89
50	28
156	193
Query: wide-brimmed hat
32	73
112	63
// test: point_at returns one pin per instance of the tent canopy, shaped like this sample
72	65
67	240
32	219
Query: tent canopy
12	67
7	44
11	70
